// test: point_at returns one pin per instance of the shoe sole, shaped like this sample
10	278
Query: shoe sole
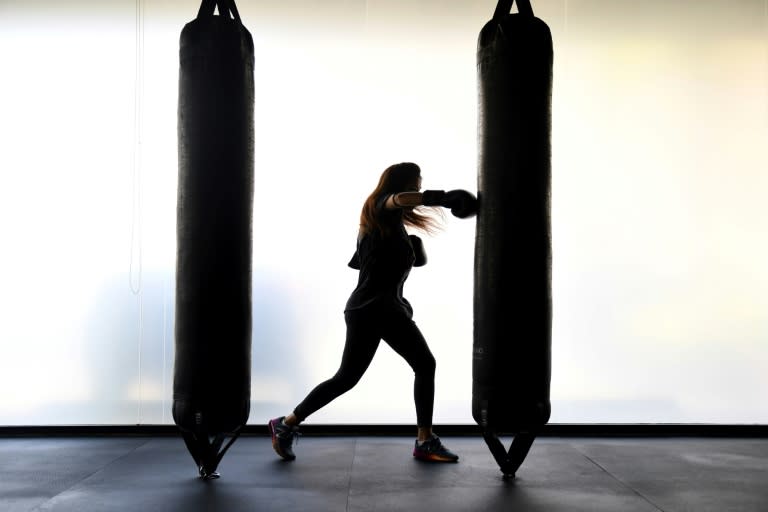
435	458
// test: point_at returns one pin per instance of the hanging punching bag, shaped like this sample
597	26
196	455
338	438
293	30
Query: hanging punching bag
513	257
212	380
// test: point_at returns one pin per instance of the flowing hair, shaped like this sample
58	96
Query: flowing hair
397	178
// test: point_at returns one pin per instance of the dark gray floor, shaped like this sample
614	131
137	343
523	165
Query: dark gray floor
378	473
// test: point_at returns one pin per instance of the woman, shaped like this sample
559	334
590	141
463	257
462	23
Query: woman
377	310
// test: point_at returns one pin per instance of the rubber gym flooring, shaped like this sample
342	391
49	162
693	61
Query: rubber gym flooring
367	473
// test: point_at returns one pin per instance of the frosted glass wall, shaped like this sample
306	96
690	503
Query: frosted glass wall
660	153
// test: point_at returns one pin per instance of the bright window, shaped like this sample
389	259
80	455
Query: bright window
660	152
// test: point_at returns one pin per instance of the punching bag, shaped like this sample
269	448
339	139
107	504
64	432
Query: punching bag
513	251
212	380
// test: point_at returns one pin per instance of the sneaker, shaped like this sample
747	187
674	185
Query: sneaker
282	437
433	450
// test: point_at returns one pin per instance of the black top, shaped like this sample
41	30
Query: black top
384	263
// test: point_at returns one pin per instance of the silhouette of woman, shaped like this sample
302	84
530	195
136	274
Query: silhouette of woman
377	310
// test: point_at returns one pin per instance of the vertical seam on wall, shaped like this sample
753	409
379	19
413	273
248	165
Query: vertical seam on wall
136	224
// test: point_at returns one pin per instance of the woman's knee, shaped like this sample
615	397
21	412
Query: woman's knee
343	382
427	366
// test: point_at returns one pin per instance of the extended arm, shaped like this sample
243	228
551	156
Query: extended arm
403	200
462	204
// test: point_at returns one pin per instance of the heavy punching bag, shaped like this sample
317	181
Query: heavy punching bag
212	379
513	251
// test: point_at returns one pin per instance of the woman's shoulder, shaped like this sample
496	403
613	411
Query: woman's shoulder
380	200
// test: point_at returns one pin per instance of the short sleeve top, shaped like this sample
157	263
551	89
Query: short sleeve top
385	262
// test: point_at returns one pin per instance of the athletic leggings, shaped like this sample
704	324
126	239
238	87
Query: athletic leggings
365	329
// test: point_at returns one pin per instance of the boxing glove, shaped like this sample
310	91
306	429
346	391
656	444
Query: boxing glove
354	262
462	203
418	251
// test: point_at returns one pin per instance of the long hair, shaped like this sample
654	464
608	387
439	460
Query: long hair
397	178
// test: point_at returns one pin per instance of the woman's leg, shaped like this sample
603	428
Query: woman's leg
405	338
361	344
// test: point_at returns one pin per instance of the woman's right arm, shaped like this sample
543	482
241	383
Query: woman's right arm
403	200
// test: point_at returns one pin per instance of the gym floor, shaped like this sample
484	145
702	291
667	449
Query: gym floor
364	473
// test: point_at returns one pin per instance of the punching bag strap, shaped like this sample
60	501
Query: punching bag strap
225	7
505	6
205	451
231	440
509	461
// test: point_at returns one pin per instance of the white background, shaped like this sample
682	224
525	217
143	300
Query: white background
660	153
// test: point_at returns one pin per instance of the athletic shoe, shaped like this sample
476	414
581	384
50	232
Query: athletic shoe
282	437
433	450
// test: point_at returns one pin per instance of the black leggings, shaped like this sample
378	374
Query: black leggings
365	329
